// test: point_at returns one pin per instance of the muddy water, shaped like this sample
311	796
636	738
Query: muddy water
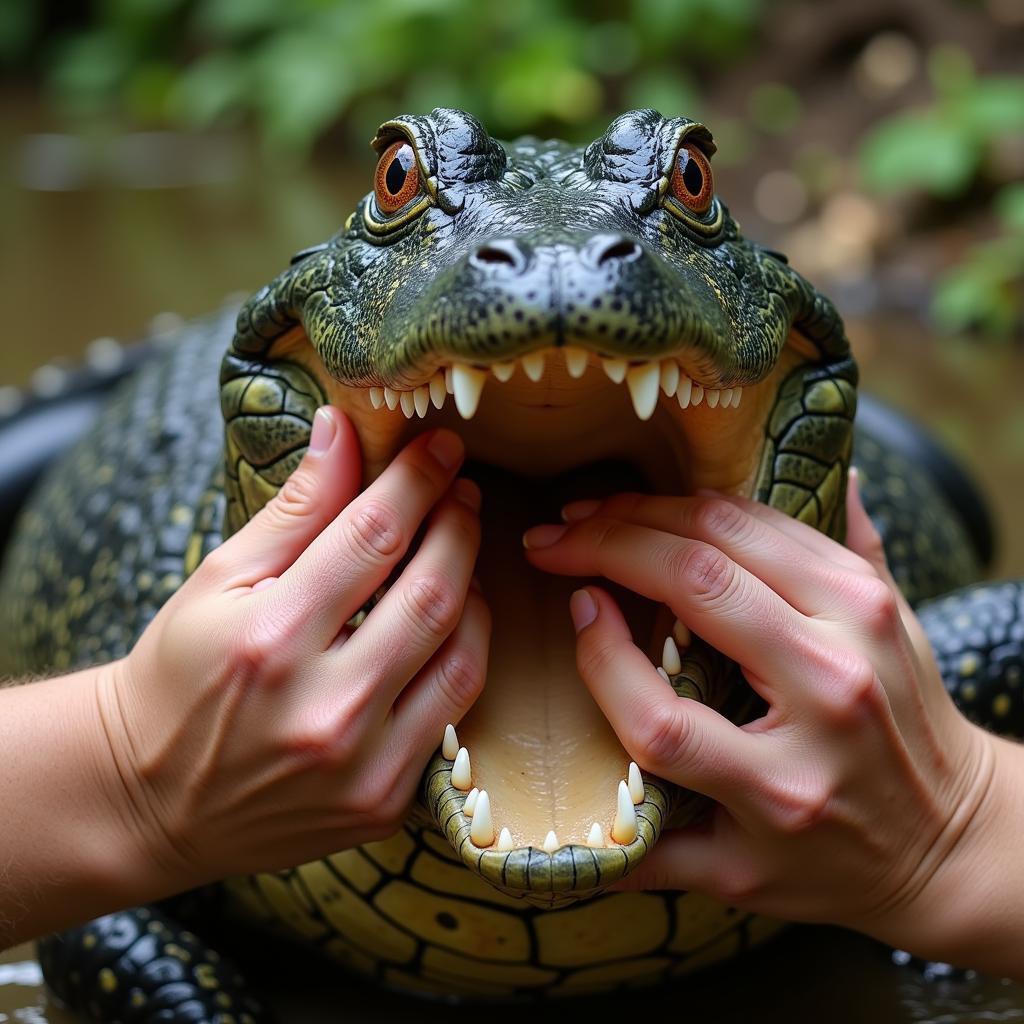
98	260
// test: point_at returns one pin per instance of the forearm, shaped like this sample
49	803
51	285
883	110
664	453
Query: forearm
68	847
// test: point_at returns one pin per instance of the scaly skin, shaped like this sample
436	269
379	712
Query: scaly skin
504	251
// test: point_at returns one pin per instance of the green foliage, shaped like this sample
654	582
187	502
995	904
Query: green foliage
299	69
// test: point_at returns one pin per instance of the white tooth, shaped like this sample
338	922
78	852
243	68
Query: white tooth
635	783
449	384
683	391
664	675
681	634
624	829
391	398
408	404
503	371
550	842
595	837
504	841
669	377
470	805
696	394
468	383
482	832
575	361
726	397
450	743
670	657
737	394
438	392
533	365
616	369
643	388
713	395
376	397
421	399
462	776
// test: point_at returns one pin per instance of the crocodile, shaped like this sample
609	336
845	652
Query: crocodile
589	319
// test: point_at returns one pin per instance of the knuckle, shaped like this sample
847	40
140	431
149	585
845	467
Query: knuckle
433	604
799	809
665	738
855	693
375	531
739	887
879	606
719	519
460	678
260	651
702	570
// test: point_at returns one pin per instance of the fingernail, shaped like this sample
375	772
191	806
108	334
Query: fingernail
577	510
467	492
446	447
543	536
583	609
322	435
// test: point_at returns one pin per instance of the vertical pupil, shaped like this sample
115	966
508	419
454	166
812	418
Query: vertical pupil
693	177
395	178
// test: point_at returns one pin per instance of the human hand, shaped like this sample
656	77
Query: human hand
252	729
861	797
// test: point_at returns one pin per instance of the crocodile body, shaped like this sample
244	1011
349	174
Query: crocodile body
502	251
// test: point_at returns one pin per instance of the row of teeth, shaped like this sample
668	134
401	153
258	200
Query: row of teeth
644	380
477	806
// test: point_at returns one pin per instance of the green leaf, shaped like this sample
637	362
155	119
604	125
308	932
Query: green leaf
993	106
1009	206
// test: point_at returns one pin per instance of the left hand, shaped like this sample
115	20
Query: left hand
856	797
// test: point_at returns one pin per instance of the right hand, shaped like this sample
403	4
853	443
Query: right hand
251	728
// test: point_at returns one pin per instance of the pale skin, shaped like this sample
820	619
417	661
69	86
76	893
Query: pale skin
250	730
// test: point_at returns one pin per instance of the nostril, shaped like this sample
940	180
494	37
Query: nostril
620	250
499	253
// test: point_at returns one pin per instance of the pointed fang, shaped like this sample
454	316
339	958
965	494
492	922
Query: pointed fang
616	369
421	399
482	832
438	392
595	837
462	777
550	842
669	377
533	365
635	783
470	805
625	828
505	841
376	397
670	657
643	382
467	382
450	743
575	361
503	371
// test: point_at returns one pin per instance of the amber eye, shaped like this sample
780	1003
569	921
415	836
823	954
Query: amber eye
397	179
692	184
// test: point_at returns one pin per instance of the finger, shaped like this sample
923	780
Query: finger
677	739
324	482
692	859
861	536
423	607
353	556
446	687
719	600
789	561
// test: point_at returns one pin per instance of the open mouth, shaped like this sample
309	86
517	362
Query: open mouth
536	793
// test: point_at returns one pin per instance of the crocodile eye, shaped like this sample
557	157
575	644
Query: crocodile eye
397	179
692	183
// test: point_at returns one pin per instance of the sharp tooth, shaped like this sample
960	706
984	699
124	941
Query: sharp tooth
408	404
664	675
470	805
643	388
683	391
468	383
550	842
713	395
635	784
449	384
533	365
575	361
595	837
462	776
421	399
669	377
624	829
450	743
482	832
737	394
376	397
696	394
438	392
616	369
391	398
726	397
504	841
681	634
670	657
503	371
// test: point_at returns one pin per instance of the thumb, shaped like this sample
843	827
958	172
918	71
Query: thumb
689	859
324	482
861	536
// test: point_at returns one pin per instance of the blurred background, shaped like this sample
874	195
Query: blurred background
160	157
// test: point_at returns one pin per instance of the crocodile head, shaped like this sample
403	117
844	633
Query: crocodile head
589	320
